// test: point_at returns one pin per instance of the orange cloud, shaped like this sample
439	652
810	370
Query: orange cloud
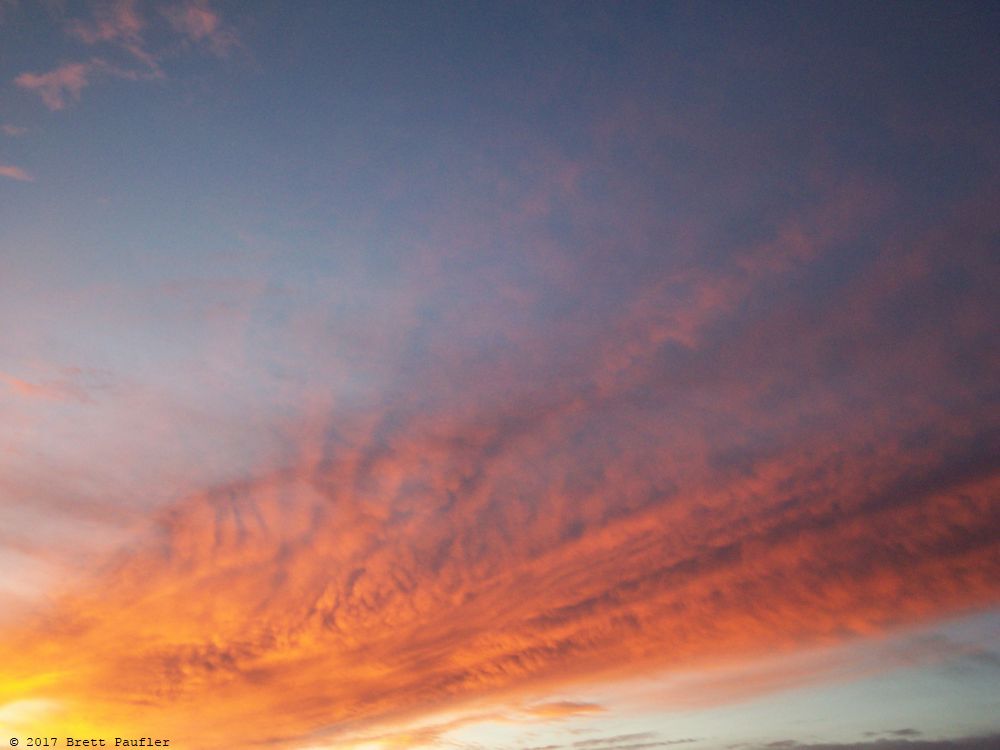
15	173
650	491
393	578
64	389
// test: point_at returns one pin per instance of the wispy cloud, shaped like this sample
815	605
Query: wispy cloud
604	742
631	741
119	26
120	23
13	130
117	21
197	21
60	86
563	709
67	388
15	173
979	742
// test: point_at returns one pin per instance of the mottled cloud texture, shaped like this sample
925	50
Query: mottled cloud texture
650	374
701	474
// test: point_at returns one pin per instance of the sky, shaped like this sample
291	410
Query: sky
500	376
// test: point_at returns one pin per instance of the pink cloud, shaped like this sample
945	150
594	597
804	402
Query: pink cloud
55	390
13	130
58	86
112	22
197	21
15	173
61	86
119	23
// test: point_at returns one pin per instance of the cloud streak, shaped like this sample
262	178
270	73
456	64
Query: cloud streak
954	743
15	173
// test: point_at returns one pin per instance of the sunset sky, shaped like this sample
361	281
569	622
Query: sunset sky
500	376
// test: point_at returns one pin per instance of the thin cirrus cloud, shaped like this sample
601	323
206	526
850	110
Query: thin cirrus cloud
892	740
63	389
113	22
632	741
120	25
198	22
15	173
561	709
60	86
895	741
